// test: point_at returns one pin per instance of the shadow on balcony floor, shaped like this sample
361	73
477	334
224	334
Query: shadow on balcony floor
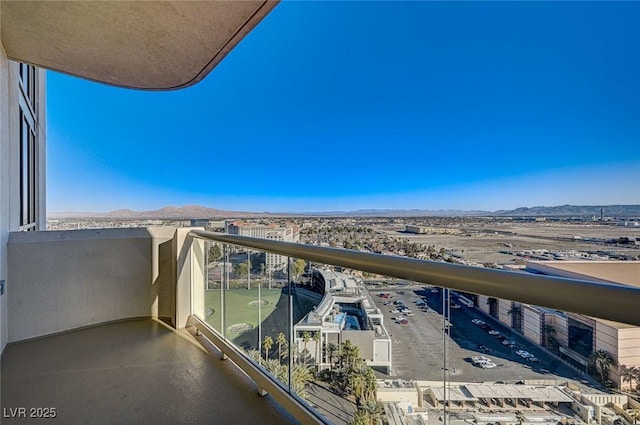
132	372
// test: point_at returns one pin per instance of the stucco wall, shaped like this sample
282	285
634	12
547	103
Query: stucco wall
5	187
503	308
531	323
63	280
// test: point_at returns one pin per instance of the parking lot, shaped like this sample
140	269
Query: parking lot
418	344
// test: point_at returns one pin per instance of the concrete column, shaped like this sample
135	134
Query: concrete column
190	271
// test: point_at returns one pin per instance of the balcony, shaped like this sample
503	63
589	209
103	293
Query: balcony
127	326
128	372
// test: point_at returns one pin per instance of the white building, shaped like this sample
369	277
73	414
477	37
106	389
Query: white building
345	312
286	233
279	233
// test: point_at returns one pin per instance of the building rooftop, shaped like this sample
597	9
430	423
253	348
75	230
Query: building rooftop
620	272
623	272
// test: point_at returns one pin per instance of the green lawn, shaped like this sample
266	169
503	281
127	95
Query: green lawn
242	316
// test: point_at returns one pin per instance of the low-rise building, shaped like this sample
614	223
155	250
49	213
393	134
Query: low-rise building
576	337
345	311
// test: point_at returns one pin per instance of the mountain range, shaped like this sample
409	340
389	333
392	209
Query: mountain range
197	211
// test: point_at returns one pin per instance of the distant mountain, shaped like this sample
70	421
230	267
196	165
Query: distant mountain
574	211
400	213
169	213
197	211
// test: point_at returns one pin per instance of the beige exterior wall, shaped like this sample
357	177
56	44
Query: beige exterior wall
10	168
606	339
63	280
532	319
482	303
5	188
628	351
562	330
503	307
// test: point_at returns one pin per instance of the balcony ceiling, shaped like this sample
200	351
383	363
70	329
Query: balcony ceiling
136	44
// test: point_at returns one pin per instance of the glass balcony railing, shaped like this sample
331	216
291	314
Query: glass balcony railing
340	336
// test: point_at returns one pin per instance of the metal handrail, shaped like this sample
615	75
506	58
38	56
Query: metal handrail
604	300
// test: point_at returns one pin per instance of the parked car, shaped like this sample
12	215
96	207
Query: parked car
487	365
508	343
483	362
477	322
476	359
524	354
494	332
484	348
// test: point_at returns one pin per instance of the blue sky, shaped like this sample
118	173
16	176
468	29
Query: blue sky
350	105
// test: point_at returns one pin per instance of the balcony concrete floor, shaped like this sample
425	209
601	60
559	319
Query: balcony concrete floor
132	372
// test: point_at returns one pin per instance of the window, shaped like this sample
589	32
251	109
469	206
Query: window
28	148
580	337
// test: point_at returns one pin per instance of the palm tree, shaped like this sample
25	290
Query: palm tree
300	376
350	353
549	334
280	371
267	344
493	306
626	374
635	415
306	337
603	361
371	385
636	376
360	418
281	340
332	349
374	411
520	416
255	355
516	316
316	340
357	382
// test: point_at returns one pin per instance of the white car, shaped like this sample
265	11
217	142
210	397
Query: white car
483	362
478	359
477	322
494	332
524	354
395	311
508	343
